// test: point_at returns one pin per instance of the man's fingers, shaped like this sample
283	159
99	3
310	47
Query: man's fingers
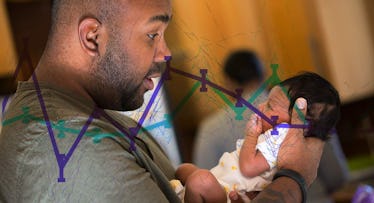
235	197
315	146
295	135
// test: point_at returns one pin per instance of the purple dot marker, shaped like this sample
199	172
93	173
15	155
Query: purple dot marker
203	72
274	120
239	92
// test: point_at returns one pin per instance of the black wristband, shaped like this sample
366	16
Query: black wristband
296	177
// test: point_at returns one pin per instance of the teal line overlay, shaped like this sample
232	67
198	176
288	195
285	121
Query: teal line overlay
299	113
96	133
26	117
238	110
168	117
270	82
185	99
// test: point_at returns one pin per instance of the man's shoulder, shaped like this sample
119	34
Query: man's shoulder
89	150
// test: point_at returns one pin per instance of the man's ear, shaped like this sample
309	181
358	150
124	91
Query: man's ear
90	31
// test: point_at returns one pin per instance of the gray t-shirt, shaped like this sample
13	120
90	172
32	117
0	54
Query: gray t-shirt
97	166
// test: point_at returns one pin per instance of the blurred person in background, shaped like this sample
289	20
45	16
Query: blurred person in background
218	133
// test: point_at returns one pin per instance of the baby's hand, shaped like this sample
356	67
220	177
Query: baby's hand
254	126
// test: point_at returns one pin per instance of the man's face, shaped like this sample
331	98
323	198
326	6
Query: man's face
134	53
276	104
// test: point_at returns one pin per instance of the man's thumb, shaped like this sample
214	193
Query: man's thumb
299	111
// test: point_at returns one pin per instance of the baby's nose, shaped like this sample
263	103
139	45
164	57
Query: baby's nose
261	107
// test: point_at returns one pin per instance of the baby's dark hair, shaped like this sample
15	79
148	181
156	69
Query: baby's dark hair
323	109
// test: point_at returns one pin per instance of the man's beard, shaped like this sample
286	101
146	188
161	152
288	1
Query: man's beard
114	81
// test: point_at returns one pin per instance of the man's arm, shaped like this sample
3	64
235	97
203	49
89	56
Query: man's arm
298	154
280	190
284	189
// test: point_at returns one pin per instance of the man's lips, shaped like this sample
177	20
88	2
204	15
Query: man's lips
148	82
154	73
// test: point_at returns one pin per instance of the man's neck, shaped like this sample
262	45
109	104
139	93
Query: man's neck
62	78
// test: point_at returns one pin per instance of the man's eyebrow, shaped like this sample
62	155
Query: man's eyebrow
163	18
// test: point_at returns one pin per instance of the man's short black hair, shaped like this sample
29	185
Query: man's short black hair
243	66
323	109
62	11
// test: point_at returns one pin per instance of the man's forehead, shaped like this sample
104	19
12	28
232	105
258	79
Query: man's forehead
148	11
163	6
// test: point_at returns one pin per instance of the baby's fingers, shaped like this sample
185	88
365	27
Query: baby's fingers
254	125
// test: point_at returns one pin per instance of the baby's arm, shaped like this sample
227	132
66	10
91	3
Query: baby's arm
251	161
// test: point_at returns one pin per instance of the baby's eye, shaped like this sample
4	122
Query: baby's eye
152	36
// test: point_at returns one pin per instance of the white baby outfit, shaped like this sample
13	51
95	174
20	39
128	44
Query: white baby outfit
228	173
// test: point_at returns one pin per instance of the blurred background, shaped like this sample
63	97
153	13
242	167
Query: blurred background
334	38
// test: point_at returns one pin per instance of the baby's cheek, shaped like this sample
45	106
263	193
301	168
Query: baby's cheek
265	126
285	118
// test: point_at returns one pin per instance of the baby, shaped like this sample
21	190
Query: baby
253	164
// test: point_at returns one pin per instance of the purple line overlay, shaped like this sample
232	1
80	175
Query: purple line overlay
203	72
45	115
239	92
18	68
154	95
4	103
63	159
274	131
122	130
238	97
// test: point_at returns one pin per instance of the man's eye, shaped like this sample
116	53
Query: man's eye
152	36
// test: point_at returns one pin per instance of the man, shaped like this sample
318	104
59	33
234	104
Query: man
102	55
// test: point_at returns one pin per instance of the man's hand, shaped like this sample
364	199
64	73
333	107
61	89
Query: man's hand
297	152
236	198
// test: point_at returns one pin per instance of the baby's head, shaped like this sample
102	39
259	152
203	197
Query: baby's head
323	108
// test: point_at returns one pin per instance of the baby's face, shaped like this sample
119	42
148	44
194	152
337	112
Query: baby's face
276	104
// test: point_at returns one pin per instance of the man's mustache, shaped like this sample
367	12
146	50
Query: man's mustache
156	68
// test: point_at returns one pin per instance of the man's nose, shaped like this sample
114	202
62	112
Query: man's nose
162	51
